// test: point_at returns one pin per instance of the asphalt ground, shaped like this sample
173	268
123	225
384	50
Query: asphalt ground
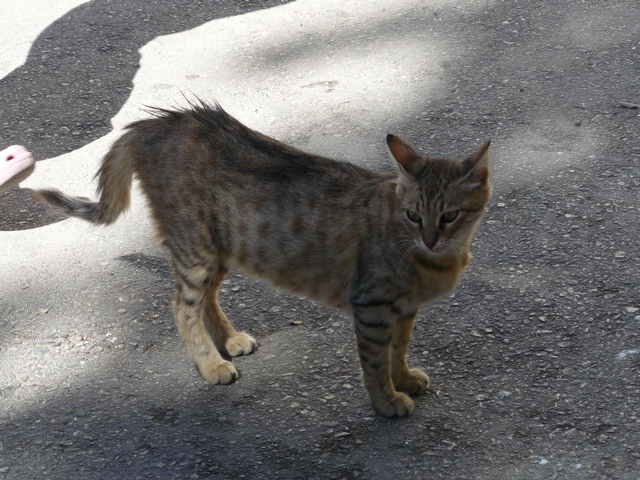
535	358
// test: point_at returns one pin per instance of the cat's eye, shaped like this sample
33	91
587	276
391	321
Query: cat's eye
450	216
414	216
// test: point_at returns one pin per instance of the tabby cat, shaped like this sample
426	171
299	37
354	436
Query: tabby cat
376	246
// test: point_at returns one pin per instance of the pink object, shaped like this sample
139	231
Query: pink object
16	164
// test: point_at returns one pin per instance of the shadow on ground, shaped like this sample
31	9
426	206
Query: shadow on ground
532	356
78	75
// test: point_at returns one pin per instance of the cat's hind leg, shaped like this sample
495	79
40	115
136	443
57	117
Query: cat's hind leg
405	379
191	285
226	338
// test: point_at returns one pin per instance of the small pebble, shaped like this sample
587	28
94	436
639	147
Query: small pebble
626	353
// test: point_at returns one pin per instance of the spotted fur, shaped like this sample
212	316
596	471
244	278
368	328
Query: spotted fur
373	245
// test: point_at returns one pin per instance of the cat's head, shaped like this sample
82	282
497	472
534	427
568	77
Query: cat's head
441	199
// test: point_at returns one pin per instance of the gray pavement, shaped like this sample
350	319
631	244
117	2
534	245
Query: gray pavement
536	357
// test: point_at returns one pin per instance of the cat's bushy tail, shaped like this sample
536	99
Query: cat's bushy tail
114	188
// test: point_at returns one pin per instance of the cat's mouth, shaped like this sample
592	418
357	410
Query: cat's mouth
431	249
440	248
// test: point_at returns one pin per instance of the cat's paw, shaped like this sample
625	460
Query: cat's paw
398	405
217	372
413	381
241	344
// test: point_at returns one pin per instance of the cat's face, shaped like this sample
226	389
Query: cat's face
441	200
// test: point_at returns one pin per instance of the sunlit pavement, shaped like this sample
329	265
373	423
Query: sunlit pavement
535	357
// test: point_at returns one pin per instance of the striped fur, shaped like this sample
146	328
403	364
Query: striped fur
374	245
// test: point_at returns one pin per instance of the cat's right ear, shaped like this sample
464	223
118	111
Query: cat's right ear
477	165
406	156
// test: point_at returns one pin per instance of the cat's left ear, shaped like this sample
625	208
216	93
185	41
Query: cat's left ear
406	156
477	165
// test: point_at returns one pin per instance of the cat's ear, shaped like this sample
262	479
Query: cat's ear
406	156
476	167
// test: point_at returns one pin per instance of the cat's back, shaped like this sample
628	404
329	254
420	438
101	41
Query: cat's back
206	142
293	218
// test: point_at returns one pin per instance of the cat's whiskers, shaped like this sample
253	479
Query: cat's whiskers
297	205
407	255
459	244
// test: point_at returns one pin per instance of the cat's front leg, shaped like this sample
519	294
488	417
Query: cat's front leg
373	326
405	379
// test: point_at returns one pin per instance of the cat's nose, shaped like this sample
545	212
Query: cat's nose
430	243
430	238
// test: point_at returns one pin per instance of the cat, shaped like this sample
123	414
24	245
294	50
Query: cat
376	246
